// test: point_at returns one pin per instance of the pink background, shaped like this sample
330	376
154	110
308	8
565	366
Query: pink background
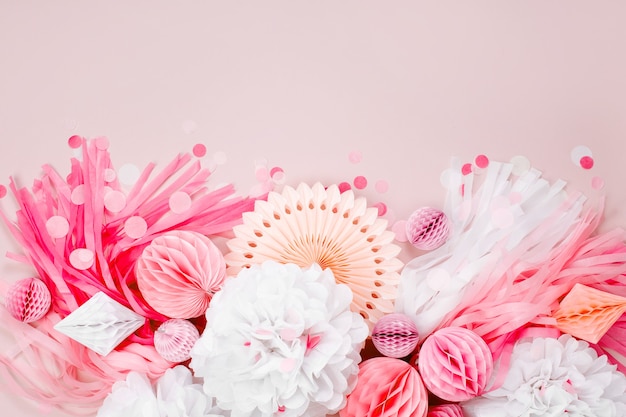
302	84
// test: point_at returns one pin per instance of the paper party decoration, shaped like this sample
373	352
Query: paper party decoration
427	228
313	225
179	272
588	313
395	335
175	338
28	299
100	324
445	410
387	387
455	363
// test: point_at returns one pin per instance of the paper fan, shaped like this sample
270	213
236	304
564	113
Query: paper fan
311	225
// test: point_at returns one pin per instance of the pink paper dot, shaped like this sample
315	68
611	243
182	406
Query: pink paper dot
597	183
355	157
344	186
114	201
75	141
502	218
199	150
135	227
3	191
128	174
261	174
102	143
360	182
78	195
586	162
82	259
58	227
279	177
466	169
275	170
515	197
180	202
382	208
399	229
381	186
481	161
109	175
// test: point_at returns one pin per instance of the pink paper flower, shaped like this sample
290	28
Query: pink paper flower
280	339
455	363
387	387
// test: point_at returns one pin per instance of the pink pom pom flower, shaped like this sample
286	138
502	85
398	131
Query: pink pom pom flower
28	300
395	335
174	340
179	272
387	387
427	228
456	364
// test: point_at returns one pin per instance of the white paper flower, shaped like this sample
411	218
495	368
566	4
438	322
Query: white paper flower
175	395
555	377
280	339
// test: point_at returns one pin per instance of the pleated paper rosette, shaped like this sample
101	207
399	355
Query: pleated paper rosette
309	225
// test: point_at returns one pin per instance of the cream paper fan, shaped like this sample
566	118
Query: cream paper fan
311	225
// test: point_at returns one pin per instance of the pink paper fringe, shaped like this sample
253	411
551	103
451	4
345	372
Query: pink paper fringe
57	370
516	303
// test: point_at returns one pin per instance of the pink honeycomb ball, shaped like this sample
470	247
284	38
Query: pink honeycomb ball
174	340
427	228
395	335
28	300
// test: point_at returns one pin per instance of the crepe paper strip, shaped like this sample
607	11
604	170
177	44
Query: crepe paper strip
101	324
174	340
179	272
54	370
308	225
387	387
395	335
445	410
455	364
427	228
28	300
94	228
588	313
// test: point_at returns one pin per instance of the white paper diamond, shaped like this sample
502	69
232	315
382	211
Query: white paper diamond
100	324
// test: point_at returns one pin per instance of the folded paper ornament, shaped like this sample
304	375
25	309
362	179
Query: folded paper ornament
100	324
588	313
175	338
395	335
455	363
179	272
387	387
427	228
314	225
445	410
28	299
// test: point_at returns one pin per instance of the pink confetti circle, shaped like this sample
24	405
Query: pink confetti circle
381	186
82	259
466	169
586	162
135	227
515	197
355	157
128	174
114	201
102	143
78	195
399	229
382	208
344	186
275	170
481	161
579	152
199	150
597	183
3	191
360	182
58	227
279	177
75	141
109	175
180	202
502	218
